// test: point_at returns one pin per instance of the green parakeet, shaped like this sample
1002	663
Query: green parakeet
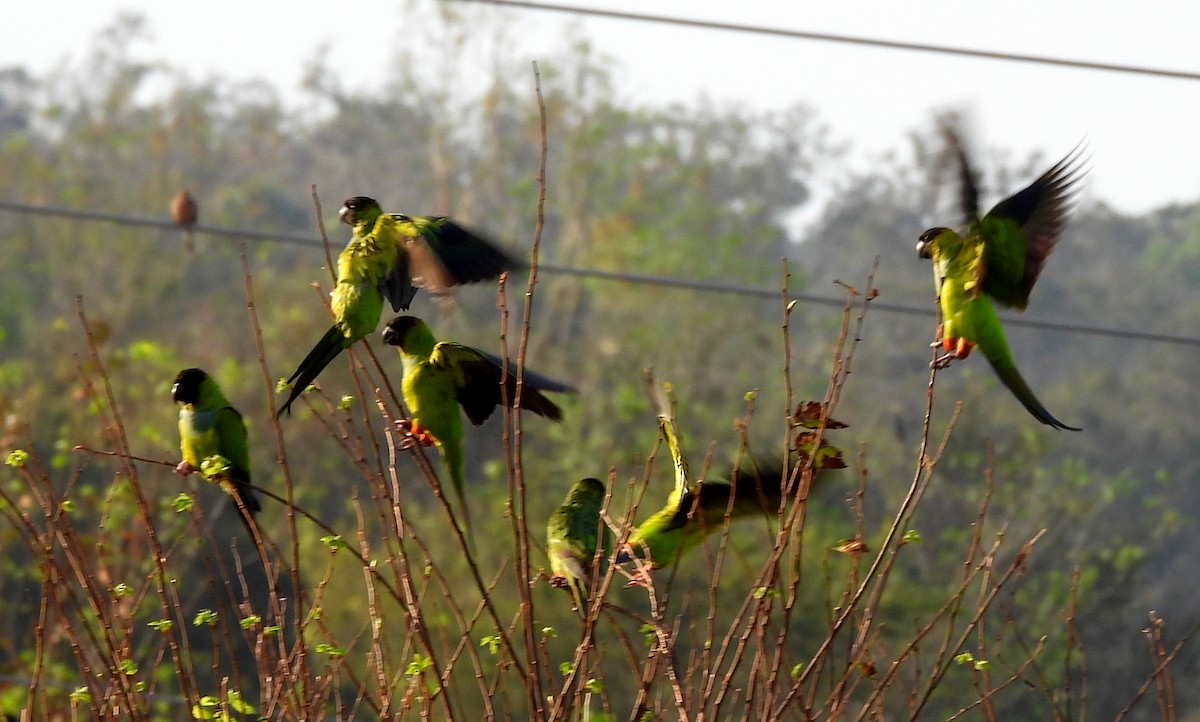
210	426
997	257
389	256
440	377
694	511
571	536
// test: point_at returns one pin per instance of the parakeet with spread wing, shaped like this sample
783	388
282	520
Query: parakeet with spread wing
441	376
997	257
572	533
389	256
210	426
694	511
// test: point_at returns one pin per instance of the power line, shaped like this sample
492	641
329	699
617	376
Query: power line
139	221
620	276
843	39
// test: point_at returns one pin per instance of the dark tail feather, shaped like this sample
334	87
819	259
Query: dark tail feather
464	519
250	501
326	350
239	484
1011	378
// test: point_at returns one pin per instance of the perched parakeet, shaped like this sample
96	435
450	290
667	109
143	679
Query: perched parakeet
389	255
210	426
701	508
440	377
571	536
1000	255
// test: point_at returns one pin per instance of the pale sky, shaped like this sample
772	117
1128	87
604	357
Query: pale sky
1143	132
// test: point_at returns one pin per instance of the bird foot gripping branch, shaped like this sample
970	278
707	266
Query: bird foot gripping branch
957	348
414	435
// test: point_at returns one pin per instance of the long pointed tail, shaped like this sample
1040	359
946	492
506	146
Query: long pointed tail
1004	367
326	350
455	465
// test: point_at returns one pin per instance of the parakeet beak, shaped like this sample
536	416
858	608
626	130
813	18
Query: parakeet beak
924	250
345	215
175	392
391	337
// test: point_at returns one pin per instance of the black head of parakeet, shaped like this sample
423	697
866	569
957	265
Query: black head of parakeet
925	243
397	329
186	389
354	207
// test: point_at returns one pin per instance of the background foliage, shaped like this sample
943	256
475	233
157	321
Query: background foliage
707	192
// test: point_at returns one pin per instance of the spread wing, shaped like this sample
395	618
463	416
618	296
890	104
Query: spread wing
441	253
1023	229
479	383
397	286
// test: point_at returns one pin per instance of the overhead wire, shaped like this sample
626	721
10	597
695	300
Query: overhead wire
615	276
839	38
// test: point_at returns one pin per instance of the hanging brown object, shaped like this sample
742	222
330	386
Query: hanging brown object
184	212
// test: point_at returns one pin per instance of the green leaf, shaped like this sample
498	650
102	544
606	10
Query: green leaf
419	664
215	465
205	616
182	502
334	542
238	704
17	458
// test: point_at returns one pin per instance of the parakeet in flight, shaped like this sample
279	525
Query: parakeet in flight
441	376
571	536
997	257
389	256
694	511
210	426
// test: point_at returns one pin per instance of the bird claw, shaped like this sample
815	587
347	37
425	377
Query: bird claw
414	435
183	468
942	362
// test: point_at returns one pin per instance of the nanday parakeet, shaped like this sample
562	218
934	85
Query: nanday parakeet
997	257
389	255
699	509
571	535
441	376
210	426
695	509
